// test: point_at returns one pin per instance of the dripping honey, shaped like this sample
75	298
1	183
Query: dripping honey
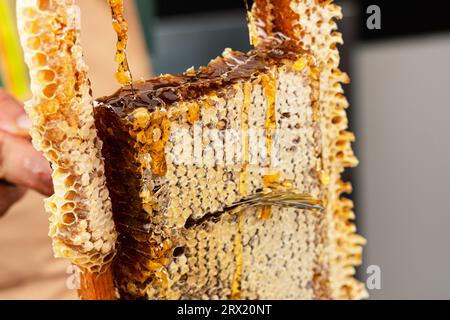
238	246
269	181
123	74
269	86
245	139
236	285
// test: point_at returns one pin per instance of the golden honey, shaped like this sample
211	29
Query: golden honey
120	26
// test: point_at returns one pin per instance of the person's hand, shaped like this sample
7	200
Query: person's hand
21	166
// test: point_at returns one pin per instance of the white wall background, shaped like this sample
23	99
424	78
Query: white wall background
401	112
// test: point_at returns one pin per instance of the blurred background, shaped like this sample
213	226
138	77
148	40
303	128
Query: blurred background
400	106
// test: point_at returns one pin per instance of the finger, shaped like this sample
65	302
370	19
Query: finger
9	194
21	164
12	115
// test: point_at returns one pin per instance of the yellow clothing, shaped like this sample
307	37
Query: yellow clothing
13	72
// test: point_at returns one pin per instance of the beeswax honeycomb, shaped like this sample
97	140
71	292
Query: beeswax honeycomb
312	23
61	112
181	149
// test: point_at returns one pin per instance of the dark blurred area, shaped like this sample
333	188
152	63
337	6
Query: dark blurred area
202	29
404	18
399	105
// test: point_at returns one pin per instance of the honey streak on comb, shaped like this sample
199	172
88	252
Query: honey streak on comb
123	74
238	250
270	90
245	139
243	175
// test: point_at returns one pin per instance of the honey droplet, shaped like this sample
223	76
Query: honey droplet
271	179
324	178
300	64
193	113
265	212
